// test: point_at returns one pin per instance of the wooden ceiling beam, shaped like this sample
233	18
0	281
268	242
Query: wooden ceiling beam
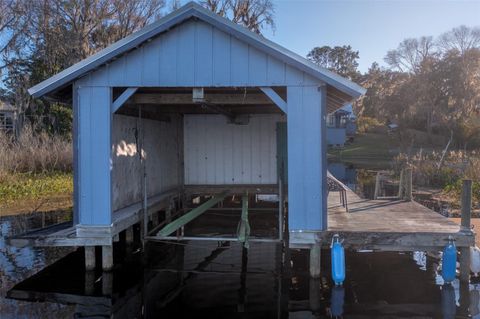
220	99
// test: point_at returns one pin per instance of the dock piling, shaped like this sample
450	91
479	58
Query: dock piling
408	184
89	282
466	215
400	184
315	258
466	205
89	258
107	258
129	236
377	186
107	283
465	264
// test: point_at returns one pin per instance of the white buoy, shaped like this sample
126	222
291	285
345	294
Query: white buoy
475	260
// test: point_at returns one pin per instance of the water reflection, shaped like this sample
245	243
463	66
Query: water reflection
222	280
226	280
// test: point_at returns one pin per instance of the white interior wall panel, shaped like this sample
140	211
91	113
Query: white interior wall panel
217	152
161	150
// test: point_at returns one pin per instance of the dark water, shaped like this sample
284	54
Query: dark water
221	280
211	280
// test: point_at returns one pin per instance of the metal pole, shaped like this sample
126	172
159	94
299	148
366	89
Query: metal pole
143	161
280	205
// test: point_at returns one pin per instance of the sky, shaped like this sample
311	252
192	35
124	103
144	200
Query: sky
370	27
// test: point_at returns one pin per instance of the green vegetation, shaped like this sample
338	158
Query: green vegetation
28	193
455	189
35	186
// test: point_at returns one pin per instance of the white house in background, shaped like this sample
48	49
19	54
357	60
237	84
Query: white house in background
341	126
8	117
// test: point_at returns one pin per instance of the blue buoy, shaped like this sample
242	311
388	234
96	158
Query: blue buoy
338	260
449	261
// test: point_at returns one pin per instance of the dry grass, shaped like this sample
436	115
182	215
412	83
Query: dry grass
34	153
457	165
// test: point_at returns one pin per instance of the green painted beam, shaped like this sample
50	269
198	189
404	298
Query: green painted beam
191	215
244	229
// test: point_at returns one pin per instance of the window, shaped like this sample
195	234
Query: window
330	120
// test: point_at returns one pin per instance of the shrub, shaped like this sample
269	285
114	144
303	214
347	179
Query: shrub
365	124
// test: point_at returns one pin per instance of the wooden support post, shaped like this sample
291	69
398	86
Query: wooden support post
89	258
315	257
107	283
408	184
377	186
466	205
315	295
129	236
466	305
107	258
400	184
89	282
168	215
465	264
155	219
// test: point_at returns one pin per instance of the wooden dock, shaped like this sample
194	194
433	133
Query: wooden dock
390	225
66	234
364	224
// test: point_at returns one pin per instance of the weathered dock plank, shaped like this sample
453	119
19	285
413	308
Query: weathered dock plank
390	225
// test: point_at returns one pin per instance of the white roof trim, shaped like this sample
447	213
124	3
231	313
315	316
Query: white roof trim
188	11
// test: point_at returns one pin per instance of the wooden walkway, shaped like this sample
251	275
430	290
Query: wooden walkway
395	225
65	234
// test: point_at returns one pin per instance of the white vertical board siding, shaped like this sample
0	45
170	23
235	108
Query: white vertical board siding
217	152
195	53
93	165
307	196
161	149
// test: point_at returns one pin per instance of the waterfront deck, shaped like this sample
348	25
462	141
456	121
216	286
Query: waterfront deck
384	224
391	224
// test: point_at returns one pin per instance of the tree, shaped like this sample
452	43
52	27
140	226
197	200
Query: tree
253	14
410	54
461	39
339	59
14	18
59	33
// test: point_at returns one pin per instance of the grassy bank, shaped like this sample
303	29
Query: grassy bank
369	150
27	193
35	172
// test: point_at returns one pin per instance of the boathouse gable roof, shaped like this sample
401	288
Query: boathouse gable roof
193	13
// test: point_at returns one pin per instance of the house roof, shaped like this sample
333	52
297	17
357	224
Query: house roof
6	107
193	10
